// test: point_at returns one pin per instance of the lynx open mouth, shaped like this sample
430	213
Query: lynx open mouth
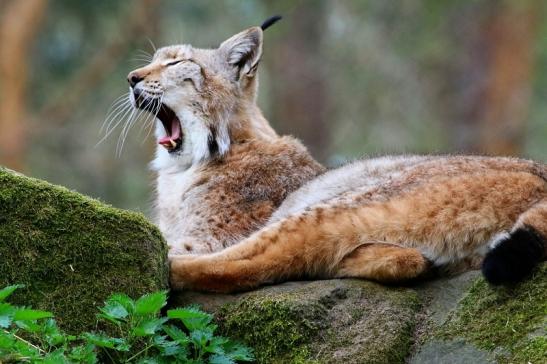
172	141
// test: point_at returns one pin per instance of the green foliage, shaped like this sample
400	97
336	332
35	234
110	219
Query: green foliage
186	335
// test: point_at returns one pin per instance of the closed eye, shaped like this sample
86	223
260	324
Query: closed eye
173	63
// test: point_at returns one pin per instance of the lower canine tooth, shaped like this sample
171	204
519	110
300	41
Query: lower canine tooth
173	144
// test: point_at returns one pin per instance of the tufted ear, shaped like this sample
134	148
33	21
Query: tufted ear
243	51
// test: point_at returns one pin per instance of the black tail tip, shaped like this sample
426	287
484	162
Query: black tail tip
270	21
514	258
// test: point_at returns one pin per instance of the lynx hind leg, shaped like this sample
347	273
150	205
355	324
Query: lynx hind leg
516	255
383	263
308	245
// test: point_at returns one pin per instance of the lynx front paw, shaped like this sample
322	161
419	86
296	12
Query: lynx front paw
178	272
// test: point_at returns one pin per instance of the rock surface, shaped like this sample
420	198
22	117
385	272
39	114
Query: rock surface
489	325
329	321
71	251
443	321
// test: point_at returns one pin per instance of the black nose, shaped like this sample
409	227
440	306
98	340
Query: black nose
133	78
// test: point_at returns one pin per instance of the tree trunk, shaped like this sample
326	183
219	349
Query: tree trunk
19	25
495	78
512	32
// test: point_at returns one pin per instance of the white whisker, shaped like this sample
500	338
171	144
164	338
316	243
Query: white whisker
109	130
131	121
141	61
123	134
154	112
121	115
143	119
152	44
125	108
143	52
113	110
152	119
122	112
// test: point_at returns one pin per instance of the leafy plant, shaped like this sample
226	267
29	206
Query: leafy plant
186	335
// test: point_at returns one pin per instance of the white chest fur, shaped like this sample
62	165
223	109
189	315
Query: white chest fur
172	188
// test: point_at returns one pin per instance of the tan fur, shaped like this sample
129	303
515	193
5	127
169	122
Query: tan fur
232	197
232	170
444	208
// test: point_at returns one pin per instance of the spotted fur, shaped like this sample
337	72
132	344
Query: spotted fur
389	220
235	208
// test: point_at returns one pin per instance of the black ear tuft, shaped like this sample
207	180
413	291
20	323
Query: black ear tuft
270	21
514	258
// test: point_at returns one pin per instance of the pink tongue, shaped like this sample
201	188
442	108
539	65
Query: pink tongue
169	140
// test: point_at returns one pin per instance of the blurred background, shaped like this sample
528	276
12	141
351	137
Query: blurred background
350	78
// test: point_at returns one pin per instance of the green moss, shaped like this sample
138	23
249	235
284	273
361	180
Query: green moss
533	351
71	251
278	328
383	318
323	322
504	319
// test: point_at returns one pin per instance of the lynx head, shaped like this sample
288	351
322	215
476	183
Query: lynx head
195	94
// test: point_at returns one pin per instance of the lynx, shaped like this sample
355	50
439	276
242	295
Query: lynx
241	207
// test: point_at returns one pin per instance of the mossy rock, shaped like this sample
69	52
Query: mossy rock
331	321
491	325
71	251
442	321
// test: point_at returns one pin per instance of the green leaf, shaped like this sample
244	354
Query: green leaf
220	359
24	348
84	354
29	326
7	291
149	327
200	338
169	348
123	300
151	303
6	314
216	345
106	341
238	352
150	361
26	314
176	334
113	311
53	335
7	340
192	317
56	357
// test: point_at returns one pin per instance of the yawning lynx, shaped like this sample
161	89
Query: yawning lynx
222	172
